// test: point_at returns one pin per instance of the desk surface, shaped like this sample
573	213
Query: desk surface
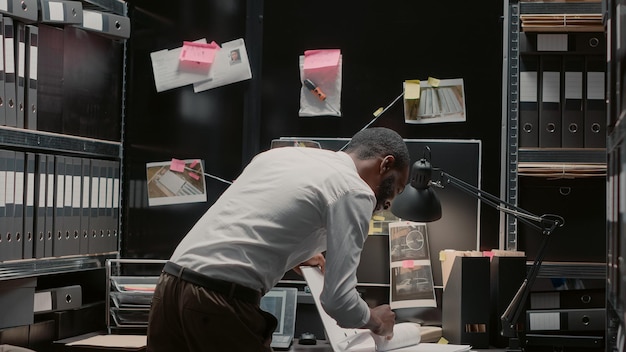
320	346
323	345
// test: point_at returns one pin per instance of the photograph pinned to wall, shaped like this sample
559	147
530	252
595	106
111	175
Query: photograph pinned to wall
410	267
320	74
175	182
434	101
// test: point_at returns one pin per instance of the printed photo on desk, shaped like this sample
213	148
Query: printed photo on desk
410	266
434	101
175	182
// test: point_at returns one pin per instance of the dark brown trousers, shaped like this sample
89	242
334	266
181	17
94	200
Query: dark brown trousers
187	317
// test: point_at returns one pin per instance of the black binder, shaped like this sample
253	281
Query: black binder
94	228
50	79
29	207
3	217
22	10
550	105
103	217
51	180
20	81
113	171
72	12
9	72
528	102
3	117
572	129
67	206
58	248
39	238
16	240
595	103
106	24
32	42
566	320
568	299
73	226
85	211
10	206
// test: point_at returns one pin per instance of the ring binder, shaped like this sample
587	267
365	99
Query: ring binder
550	106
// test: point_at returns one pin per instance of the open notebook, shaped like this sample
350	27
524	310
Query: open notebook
406	335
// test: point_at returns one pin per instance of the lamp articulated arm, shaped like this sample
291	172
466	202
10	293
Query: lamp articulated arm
546	224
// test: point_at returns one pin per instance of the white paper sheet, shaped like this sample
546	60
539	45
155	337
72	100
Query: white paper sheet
360	340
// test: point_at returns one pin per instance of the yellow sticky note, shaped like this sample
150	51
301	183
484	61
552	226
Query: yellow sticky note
443	340
433	82
412	89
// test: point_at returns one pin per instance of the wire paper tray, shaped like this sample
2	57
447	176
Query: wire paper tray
134	283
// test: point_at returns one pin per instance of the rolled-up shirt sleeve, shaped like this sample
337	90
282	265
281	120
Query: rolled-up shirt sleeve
348	225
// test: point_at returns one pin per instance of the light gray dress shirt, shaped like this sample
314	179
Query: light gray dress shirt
287	205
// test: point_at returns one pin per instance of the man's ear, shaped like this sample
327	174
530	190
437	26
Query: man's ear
387	164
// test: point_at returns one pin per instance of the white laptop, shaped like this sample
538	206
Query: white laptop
406	335
281	302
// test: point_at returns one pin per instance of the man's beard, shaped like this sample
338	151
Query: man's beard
385	192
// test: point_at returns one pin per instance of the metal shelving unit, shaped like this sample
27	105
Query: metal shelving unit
48	266
514	157
616	152
71	268
47	142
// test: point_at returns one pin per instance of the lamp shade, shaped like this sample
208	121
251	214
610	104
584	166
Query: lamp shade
418	201
414	204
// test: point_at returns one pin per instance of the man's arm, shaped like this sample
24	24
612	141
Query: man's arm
347	226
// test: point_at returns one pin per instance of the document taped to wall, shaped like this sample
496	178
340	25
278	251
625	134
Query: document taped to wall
230	65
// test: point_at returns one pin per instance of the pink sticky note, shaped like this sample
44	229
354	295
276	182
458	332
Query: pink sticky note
407	264
194	175
198	53
323	58
193	164
177	165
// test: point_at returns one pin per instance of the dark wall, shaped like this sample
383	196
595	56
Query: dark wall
177	123
382	43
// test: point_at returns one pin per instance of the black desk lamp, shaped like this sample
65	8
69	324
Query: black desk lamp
419	202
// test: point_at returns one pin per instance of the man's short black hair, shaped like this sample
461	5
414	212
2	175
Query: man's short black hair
379	141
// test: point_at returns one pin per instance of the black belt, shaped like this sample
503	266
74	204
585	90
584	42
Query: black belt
225	288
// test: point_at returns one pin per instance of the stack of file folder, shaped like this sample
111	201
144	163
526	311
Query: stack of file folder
53	94
54	205
562	91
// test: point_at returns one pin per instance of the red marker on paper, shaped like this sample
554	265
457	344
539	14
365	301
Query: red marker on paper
314	89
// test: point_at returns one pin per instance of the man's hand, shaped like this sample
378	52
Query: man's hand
317	260
382	320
